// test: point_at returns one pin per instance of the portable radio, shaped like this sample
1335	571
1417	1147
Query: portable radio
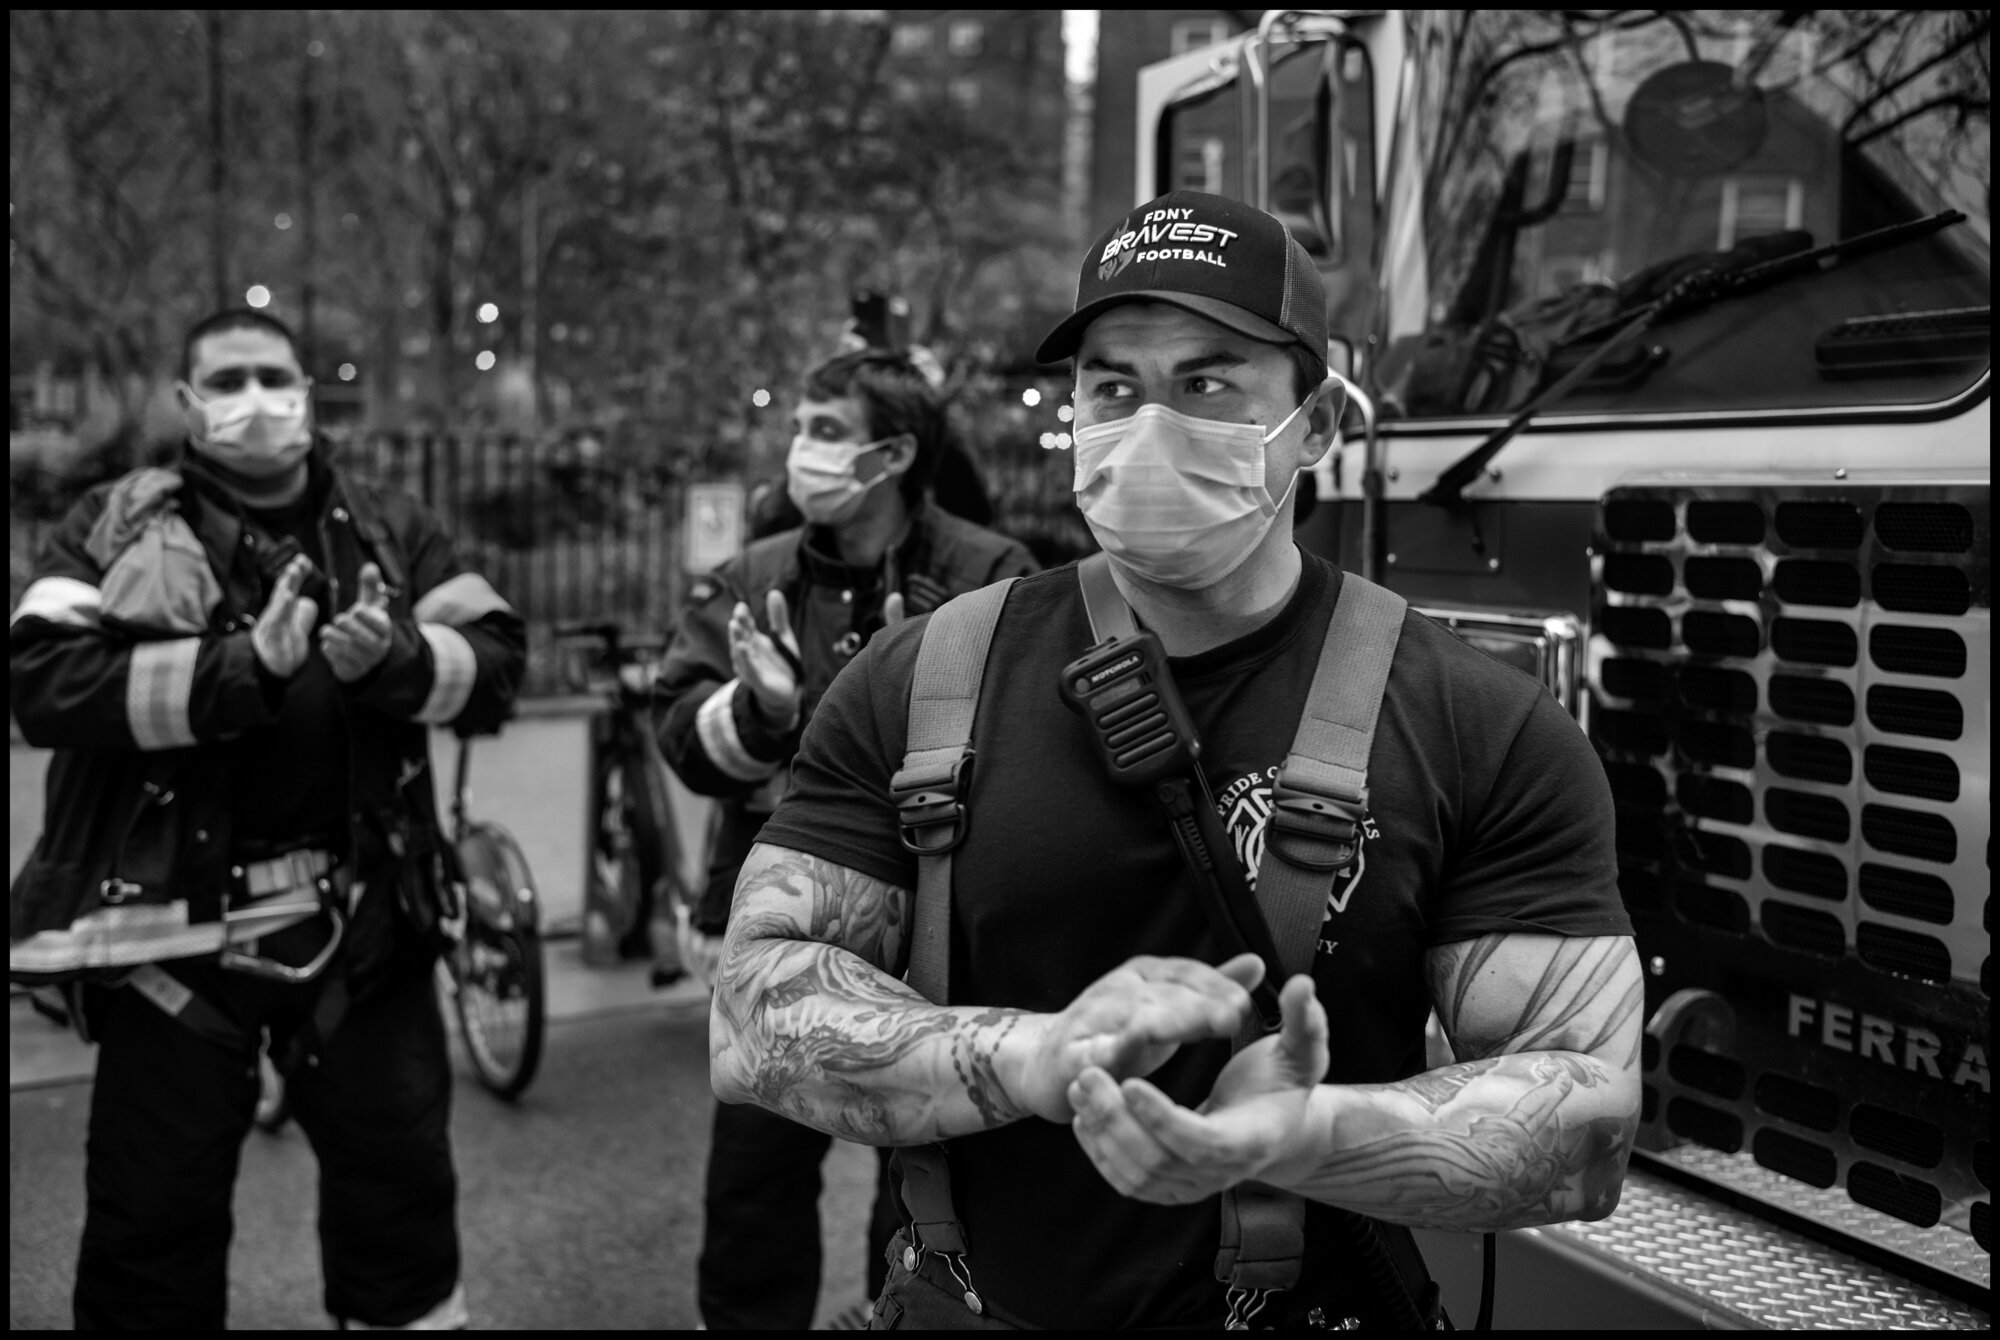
1141	730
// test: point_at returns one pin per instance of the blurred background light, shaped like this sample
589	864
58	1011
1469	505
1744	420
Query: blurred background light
484	361
1031	397
257	296
347	372
1065	413
760	397
488	312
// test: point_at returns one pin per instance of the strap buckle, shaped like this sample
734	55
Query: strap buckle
929	814
287	870
1313	829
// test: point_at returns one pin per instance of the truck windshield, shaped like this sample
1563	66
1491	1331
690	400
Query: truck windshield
1558	170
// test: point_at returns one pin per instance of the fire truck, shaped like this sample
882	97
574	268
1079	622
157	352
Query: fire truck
1667	334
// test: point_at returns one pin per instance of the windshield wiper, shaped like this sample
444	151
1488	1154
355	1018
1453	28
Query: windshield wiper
1690	294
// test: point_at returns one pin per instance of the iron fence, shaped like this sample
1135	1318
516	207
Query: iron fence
568	530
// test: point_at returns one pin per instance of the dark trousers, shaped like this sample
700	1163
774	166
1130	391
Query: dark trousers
168	1115
760	1251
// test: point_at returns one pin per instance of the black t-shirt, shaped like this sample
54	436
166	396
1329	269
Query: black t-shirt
1489	812
288	780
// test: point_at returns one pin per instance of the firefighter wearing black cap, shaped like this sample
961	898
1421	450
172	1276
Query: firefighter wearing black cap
1094	1121
238	663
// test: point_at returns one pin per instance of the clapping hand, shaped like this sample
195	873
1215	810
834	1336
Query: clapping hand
1129	1022
358	638
761	664
1150	1148
282	635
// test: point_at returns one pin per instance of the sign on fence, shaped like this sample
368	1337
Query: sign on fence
714	527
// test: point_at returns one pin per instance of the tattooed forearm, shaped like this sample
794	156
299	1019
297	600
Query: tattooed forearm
1507	1142
808	1020
1535	1122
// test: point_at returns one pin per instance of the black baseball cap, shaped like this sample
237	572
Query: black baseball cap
1210	255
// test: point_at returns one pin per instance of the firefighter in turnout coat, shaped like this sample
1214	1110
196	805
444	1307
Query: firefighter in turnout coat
237	663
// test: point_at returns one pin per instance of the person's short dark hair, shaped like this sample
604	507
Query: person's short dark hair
898	398
233	318
1308	371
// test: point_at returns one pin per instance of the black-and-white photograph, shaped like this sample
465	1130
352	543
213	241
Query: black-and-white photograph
1000	669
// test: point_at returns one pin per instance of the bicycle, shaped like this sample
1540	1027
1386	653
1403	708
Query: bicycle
632	869
492	974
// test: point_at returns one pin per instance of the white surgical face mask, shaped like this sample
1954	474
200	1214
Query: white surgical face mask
820	478
258	431
1179	500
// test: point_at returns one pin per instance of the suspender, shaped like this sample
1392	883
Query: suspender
944	695
1319	800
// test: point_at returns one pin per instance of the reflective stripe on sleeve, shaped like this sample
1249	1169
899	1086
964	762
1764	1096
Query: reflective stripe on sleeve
459	600
715	726
158	688
453	668
60	600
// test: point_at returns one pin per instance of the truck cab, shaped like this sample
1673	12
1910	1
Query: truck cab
1668	341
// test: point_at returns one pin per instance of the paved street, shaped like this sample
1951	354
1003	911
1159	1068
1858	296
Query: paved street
580	1207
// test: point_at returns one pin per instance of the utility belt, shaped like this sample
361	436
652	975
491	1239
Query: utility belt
274	895
267	899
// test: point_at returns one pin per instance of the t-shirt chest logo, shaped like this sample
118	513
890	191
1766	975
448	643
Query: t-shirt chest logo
1245	807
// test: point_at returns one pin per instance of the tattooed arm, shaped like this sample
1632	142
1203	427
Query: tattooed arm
1532	1125
809	1022
1534	1122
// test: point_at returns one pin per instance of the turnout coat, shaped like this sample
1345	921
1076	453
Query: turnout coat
708	726
136	793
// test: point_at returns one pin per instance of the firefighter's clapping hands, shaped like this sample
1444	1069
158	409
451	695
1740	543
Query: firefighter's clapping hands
353	644
359	636
282	635
1151	1148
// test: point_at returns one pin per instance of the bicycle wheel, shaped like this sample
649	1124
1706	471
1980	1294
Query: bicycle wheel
499	992
614	876
656	840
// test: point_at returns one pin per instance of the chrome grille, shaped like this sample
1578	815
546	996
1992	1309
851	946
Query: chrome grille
1788	689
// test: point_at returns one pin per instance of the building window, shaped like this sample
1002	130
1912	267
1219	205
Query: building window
965	37
964	92
1589	169
1200	166
1755	206
910	39
1188	34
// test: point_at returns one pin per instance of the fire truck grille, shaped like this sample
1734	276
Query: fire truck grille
1789	695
